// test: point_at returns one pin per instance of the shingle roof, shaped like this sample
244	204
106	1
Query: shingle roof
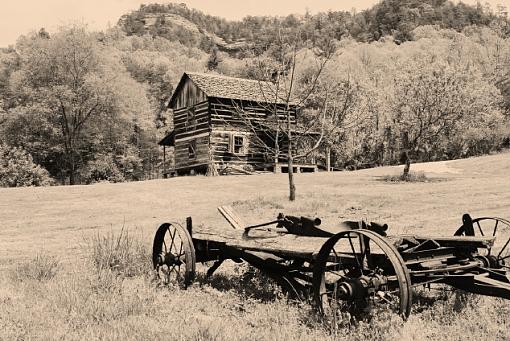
235	88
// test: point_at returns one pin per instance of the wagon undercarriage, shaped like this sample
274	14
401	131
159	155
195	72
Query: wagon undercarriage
356	270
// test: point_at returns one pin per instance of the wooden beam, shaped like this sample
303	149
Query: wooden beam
233	219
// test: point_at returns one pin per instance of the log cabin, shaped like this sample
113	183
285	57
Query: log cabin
223	122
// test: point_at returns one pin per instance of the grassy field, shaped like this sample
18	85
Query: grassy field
51	286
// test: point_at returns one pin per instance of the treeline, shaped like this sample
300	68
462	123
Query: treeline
397	18
82	107
436	97
86	106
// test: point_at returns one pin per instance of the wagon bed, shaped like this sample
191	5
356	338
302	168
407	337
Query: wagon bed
309	247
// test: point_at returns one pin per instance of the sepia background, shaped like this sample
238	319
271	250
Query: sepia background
411	100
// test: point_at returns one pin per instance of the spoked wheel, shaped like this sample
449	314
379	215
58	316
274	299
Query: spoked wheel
490	227
359	274
173	255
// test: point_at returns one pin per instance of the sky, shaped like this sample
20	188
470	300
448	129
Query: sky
19	17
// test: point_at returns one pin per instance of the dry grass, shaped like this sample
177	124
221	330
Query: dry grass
119	253
100	289
41	268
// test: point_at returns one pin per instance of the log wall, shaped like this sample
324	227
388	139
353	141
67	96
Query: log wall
192	127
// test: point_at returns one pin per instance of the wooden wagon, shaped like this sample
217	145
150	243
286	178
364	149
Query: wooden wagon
353	270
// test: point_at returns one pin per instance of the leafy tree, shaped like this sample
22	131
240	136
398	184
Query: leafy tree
73	86
102	168
431	100
214	59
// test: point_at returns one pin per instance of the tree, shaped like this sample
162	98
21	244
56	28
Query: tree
214	59
80	92
431	101
283	64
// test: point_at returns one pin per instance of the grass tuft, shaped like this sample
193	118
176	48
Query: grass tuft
120	253
257	203
42	267
411	177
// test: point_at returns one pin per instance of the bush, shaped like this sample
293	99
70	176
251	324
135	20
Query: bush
103	168
17	169
411	177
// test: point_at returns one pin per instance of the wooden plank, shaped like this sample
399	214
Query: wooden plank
232	217
186	137
271	242
188	94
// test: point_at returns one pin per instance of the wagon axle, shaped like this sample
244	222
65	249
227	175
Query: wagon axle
170	259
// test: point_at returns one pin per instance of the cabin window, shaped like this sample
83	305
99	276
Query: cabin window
192	149
237	144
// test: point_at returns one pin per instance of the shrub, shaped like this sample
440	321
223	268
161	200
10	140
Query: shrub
411	177
103	168
17	169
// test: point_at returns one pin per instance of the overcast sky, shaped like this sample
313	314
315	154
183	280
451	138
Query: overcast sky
22	16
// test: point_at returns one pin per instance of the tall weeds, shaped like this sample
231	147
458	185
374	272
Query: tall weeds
120	253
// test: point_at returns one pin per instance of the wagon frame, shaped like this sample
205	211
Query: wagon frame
353	271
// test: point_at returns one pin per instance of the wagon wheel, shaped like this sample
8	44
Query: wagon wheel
173	254
491	227
358	273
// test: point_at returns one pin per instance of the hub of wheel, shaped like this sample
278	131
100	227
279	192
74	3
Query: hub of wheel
358	288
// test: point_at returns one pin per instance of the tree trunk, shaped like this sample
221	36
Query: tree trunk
276	150
292	186
407	166
405	155
328	159
72	172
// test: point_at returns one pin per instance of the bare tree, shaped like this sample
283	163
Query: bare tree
287	92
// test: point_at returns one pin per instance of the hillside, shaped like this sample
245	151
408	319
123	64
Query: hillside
398	18
364	71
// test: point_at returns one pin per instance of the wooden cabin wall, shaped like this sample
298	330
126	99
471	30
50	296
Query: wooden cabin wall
221	138
191	125
230	118
182	159
236	113
189	95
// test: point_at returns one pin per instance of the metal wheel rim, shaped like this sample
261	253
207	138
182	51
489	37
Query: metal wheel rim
173	255
323	300
493	227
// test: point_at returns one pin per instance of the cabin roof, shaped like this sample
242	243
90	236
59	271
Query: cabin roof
214	85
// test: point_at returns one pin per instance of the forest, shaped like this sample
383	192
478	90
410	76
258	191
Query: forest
424	80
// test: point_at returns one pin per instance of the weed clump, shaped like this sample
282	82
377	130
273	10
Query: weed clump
42	267
120	253
410	177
